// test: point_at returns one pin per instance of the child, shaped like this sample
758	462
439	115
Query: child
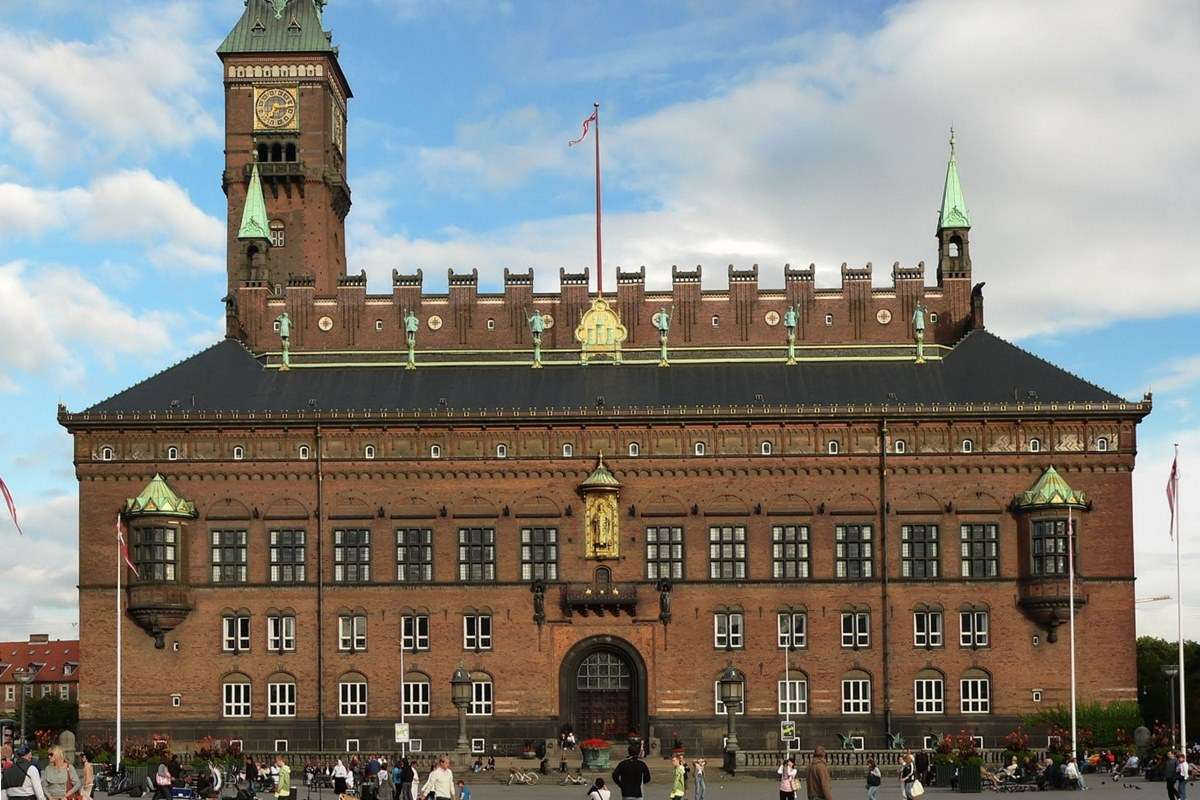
464	791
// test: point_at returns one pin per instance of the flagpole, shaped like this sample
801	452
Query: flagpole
599	262
120	556
1071	603
1179	605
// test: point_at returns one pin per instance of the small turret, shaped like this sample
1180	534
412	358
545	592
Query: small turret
254	233
954	225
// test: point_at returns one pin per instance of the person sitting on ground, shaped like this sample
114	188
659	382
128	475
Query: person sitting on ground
1073	775
491	764
464	791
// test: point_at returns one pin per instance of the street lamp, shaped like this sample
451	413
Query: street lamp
732	688
23	676
1171	671
460	694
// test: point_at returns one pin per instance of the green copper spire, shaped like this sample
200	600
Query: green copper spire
954	208
254	215
279	26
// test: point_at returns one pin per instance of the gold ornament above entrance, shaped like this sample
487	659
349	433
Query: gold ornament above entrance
601	516
600	332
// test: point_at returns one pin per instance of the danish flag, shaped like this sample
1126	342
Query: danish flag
124	545
1172	487
12	507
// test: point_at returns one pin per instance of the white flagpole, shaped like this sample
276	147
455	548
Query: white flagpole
1071	602
117	755
1179	607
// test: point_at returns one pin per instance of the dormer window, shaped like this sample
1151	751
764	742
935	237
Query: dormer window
172	454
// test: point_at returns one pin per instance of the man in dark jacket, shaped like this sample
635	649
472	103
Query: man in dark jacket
817	781
631	774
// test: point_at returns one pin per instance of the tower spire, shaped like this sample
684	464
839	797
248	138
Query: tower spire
254	213
954	208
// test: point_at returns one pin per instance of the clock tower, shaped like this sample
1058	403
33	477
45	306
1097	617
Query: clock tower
285	148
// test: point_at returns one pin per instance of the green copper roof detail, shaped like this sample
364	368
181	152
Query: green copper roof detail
279	26
158	499
954	208
1050	491
254	214
601	478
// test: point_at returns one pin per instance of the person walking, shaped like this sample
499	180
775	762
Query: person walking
677	779
787	779
340	779
440	783
631	775
908	775
405	779
163	783
698	767
251	774
874	779
22	779
819	786
283	783
88	777
1184	772
414	783
59	779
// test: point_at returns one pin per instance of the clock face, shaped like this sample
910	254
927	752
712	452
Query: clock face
275	108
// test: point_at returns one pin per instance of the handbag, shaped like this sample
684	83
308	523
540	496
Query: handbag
917	789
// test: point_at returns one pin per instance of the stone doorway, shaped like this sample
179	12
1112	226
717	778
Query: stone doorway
602	689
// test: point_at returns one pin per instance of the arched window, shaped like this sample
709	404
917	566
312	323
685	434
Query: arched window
378	324
172	454
952	248
277	152
793	694
968	446
976	692
352	695
239	453
277	237
235	696
482	695
716	321
634	449
698	448
491	324
766	448
281	695
833	448
929	692
435	451
415	694
303	452
932	317
856	692
263	153
369	452
106	454
1035	445
1102	444
568	450
501	451
900	446
289	152
829	319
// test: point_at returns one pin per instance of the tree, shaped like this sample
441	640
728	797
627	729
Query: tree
1154	691
51	713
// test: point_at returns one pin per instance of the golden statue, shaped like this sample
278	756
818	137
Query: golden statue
601	516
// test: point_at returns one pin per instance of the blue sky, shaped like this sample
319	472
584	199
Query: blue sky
762	133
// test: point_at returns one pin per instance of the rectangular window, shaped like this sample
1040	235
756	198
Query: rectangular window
664	552
928	694
793	697
235	634
352	632
727	552
852	551
973	628
281	633
919	551
727	631
287	556
237	699
47	688
10	694
281	745
414	632
980	550
281	699
352	699
793	629
477	554
481	699
477	632
64	691
856	629
719	707
352	555
539	554
856	696
416	699
927	628
1050	547
976	696
414	555
154	553
789	551
229	556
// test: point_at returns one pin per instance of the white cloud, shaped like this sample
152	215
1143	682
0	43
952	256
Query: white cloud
39	593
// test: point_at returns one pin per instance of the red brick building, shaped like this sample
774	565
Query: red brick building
859	481
55	666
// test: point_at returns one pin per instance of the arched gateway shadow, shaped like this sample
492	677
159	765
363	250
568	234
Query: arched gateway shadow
602	689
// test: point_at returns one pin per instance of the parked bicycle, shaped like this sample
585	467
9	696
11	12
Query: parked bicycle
516	776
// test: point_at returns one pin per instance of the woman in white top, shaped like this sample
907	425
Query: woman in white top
341	777
440	783
599	791
413	792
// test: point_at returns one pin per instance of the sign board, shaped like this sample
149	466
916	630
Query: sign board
402	733
787	730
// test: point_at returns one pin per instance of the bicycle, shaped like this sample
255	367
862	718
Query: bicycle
516	776
572	779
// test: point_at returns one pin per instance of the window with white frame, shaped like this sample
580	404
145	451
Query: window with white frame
172	454
369	452
303	452
416	697
277	233
106	454
698	448
973	628
900	446
281	698
481	698
1102	444
414	555
235	633
976	693
435	451
853	551
927	628
239	453
351	555
281	633
929	693
829	319
352	632
236	696
477	632
792	629
793	695
47	689
856	694
287	556
833	447
1035	445
765	448
856	629
727	552
728	627
414	632
10	693
968	446
979	550
634	449
64	691
501	451
789	551
719	707
352	745
352	697
568	450
281	745
919	556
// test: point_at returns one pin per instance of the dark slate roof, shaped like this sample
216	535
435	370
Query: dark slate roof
981	368
267	26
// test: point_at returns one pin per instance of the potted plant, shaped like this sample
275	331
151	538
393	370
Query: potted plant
595	753
970	764
944	766
527	749
676	746
634	739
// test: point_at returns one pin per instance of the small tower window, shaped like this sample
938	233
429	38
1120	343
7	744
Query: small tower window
491	324
952	250
766	448
277	238
435	451
829	319
968	446
289	152
933	317
501	451
568	450
303	452
698	448
263	152
716	321
172	454
634	450
900	446
239	453
106	454
1035	445
378	324
176	700
369	452
277	152
1102	444
833	448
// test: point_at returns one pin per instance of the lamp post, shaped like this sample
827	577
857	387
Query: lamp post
24	676
460	694
732	688
1171	671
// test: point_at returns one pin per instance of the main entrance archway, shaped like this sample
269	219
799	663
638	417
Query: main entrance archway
602	689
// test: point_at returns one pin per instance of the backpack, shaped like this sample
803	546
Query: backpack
14	776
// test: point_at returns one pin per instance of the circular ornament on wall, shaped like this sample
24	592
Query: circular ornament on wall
325	323
883	316
772	318
434	322
547	321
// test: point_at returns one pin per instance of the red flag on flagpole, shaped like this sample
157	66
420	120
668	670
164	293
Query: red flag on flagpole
586	124
12	507
1172	484
124	545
